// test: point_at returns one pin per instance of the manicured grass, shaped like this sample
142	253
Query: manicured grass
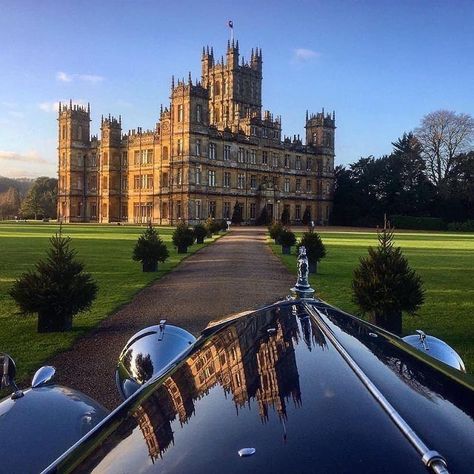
444	260
105	250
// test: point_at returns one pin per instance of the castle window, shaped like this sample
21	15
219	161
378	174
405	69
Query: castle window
124	183
264	132
226	211
287	185
105	182
241	180
253	182
298	185
253	157
217	88
308	185
124	211
212	209
180	146
320	187
105	158
253	210
179	177
94	210
149	181
198	209
198	113
198	147
164	180
226	152
164	153
297	212
240	156
79	132
298	163
180	113
178	209
136	157
63	161
164	210
136	182
287	161
226	179
63	132
198	175
211	178
212	151
124	159
264	157
315	138
309	164
275	160
104	210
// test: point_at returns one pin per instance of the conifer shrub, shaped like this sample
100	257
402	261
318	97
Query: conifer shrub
384	285
200	233
57	289
150	249
183	237
275	230
287	239
285	216
315	249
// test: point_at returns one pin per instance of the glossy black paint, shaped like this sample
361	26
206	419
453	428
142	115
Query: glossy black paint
271	381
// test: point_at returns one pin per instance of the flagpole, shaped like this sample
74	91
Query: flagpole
231	28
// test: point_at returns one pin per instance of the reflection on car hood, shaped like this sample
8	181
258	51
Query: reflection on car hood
271	381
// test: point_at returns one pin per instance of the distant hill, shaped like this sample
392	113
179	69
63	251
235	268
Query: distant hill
22	185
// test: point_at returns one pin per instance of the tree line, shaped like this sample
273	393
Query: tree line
430	173
28	199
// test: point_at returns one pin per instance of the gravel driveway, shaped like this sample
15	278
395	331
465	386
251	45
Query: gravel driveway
236	273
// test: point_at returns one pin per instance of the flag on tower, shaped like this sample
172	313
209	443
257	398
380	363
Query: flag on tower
231	24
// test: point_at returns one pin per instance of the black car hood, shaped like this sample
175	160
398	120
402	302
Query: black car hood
272	381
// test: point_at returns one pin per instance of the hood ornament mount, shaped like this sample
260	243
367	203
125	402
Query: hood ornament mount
302	289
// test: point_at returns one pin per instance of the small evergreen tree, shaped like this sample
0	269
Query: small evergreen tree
213	226
285	216
384	285
57	289
307	216
315	249
183	237
200	233
275	230
263	218
150	250
237	214
286	239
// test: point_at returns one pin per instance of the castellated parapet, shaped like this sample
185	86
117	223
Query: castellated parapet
213	149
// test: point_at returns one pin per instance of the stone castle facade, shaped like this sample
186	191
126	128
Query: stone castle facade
211	150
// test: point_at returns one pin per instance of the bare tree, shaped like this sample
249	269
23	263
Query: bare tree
443	135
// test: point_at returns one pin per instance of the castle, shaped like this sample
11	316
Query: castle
211	152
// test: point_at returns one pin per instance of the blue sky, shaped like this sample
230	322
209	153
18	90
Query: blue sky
381	64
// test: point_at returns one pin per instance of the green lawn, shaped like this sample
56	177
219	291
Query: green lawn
106	252
445	262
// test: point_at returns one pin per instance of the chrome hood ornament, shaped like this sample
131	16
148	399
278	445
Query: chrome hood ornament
302	289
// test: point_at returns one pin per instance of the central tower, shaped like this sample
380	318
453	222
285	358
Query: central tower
235	91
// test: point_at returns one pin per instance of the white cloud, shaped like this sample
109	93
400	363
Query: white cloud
90	78
63	77
29	157
302	55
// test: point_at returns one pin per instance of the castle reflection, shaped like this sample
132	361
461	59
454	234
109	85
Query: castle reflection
251	359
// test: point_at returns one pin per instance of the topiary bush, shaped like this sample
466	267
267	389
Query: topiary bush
306	216
57	290
200	233
213	226
315	249
287	239
237	214
285	216
275	230
384	285
150	249
183	237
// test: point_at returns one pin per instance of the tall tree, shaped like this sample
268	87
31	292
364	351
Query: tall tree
443	134
9	203
41	198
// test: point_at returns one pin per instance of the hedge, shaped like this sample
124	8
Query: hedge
418	223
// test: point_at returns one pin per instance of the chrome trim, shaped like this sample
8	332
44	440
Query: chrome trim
302	289
42	376
430	458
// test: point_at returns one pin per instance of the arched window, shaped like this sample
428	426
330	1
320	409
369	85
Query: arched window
217	88
164	153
